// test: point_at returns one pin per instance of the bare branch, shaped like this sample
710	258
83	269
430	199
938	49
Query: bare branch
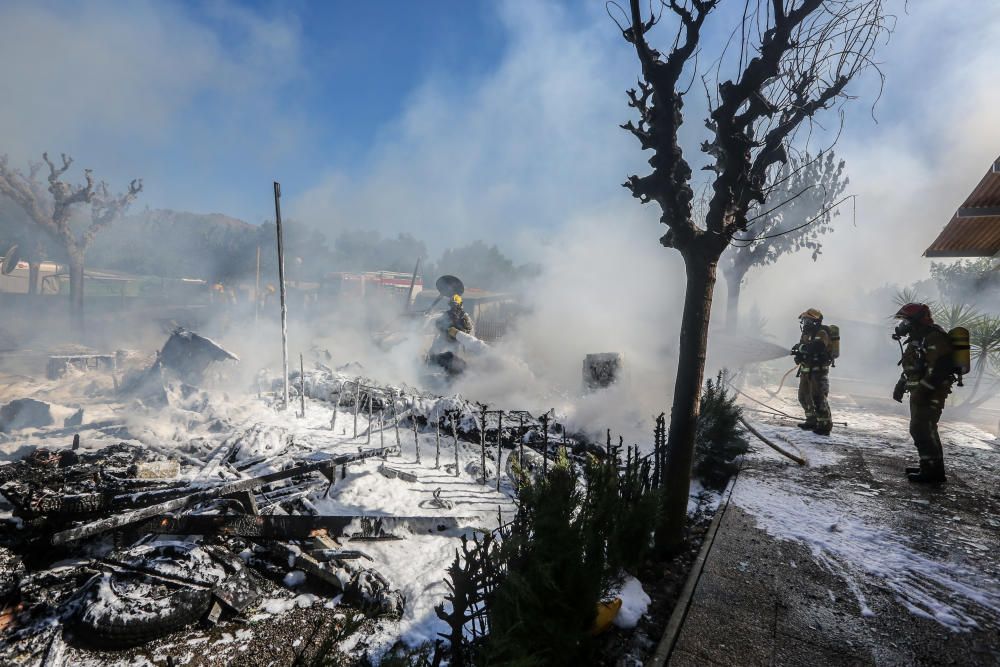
24	191
106	208
659	106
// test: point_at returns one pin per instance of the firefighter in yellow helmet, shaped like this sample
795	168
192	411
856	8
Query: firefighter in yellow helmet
445	347
456	318
814	354
928	372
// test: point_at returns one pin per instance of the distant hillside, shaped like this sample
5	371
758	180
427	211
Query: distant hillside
180	244
216	247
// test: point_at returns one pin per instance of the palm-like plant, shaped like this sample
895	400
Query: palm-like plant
956	315
910	295
984	348
984	341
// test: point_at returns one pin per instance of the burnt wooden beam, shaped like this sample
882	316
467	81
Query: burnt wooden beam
326	466
292	527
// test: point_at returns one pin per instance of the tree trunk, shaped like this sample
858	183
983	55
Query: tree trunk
701	275
76	287
734	283
34	270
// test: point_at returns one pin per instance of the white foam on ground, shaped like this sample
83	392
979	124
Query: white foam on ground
635	602
947	592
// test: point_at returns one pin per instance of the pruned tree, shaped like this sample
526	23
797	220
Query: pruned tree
795	59
51	208
799	208
33	245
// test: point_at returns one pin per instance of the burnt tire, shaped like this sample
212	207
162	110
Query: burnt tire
116	619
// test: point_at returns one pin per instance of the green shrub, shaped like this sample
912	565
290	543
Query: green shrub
542	576
542	609
718	439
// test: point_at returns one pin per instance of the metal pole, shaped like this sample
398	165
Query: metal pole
357	405
499	442
413	283
256	293
545	443
520	442
281	288
416	438
437	443
454	437
340	397
371	399
381	427
482	443
302	386
395	419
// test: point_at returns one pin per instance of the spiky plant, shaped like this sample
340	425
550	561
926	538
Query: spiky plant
954	315
907	295
984	349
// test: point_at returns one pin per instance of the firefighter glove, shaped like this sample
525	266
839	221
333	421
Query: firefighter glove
453	332
899	390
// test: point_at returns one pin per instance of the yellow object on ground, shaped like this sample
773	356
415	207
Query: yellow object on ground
606	614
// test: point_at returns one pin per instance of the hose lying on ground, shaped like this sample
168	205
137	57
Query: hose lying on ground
782	384
801	461
774	411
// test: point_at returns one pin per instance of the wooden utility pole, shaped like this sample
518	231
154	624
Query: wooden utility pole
281	289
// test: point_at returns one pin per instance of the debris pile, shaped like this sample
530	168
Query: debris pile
220	512
185	358
62	364
118	547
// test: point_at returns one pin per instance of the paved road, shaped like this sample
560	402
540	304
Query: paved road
844	562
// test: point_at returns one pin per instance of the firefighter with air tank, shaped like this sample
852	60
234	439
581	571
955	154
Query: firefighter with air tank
815	353
443	351
931	361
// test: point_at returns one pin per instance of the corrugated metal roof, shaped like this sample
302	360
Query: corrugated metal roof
972	233
987	193
968	237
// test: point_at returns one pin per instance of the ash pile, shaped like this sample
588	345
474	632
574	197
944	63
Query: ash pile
113	548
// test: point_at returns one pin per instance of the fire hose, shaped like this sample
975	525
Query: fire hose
772	410
798	459
782	383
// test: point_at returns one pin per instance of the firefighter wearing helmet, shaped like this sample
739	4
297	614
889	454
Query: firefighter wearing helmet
928	372
444	350
456	319
814	354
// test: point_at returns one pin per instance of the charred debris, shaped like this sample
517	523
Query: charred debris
117	547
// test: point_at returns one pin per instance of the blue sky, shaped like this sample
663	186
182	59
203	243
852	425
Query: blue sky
355	63
454	119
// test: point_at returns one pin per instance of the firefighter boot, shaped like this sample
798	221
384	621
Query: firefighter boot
822	429
912	470
808	425
931	472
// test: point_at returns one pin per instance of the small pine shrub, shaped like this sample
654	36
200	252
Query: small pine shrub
718	439
541	611
542	576
621	507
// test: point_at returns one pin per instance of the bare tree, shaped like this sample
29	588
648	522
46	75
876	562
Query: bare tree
795	59
52	211
799	208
